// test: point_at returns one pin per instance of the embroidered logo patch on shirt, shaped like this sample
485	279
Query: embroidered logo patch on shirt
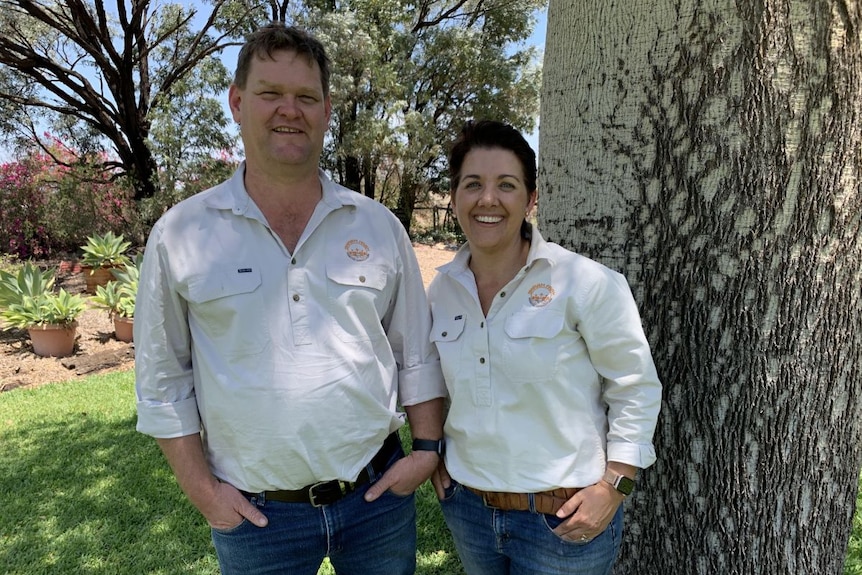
357	250
541	295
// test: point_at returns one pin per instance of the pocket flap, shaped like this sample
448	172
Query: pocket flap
445	330
368	276
214	286
539	322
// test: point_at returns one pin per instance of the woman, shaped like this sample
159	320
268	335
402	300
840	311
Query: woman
554	395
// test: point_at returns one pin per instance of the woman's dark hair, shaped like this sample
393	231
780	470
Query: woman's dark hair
491	134
275	37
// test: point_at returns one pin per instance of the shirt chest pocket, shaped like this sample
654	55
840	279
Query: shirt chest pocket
533	344
229	311
446	334
359	297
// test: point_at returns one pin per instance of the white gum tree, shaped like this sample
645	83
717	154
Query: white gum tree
710	151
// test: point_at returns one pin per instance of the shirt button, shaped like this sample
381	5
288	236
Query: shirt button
296	297
502	294
482	324
481	360
362	279
293	261
444	334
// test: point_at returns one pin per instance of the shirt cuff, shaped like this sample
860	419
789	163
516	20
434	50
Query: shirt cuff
421	383
636	454
169	420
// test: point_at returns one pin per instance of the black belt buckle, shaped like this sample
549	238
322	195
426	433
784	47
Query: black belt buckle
327	492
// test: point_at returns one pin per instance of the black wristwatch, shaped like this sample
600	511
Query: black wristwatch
438	446
621	483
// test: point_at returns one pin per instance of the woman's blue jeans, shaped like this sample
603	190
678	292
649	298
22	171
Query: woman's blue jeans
494	542
360	538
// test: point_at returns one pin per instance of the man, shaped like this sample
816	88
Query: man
280	320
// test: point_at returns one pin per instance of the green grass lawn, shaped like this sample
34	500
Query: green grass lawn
82	492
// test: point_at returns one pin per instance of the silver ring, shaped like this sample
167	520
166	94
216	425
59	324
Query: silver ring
584	538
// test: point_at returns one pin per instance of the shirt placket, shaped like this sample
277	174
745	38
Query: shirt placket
482	359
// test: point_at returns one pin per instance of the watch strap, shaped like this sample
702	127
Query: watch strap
438	446
621	483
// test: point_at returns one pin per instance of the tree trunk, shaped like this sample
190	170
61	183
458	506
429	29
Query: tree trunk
710	151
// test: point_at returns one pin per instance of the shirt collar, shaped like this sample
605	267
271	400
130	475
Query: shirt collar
232	195
539	250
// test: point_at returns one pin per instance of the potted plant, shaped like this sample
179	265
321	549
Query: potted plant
50	319
118	297
29	280
101	255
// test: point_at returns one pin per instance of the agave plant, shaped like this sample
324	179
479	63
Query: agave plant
105	250
61	308
118	296
29	281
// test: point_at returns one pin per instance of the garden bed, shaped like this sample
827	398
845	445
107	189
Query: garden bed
97	350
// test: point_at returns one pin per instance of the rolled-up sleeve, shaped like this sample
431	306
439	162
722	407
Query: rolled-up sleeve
420	377
620	353
164	380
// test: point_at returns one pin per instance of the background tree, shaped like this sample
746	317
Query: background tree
408	75
711	152
95	72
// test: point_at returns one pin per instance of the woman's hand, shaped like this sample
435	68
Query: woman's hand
589	512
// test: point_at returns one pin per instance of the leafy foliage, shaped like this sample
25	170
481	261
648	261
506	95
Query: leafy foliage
119	295
61	308
105	250
28	281
96	72
408	76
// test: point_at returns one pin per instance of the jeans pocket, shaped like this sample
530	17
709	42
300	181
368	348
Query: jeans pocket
552	522
449	492
232	530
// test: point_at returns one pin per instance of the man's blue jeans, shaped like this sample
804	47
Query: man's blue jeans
494	542
360	538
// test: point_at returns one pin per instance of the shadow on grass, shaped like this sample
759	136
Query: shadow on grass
85	495
83	492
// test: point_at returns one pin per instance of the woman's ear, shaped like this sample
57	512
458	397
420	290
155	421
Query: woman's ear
531	202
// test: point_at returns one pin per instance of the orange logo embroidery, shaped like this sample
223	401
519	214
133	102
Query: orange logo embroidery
541	295
357	250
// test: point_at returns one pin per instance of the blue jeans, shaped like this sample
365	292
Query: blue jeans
360	538
494	542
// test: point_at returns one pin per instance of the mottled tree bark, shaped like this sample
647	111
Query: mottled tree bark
710	151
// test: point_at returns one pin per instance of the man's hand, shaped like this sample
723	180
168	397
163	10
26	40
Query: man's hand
221	504
405	475
441	480
226	507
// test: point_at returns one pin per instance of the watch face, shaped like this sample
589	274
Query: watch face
625	485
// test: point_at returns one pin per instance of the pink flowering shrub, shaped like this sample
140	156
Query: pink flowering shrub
47	207
22	210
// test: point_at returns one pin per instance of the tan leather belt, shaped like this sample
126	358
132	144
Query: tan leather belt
548	502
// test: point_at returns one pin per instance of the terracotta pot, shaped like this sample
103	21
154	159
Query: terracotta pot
99	276
53	340
123	328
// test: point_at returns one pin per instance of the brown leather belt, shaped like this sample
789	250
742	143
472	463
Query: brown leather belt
548	502
327	492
